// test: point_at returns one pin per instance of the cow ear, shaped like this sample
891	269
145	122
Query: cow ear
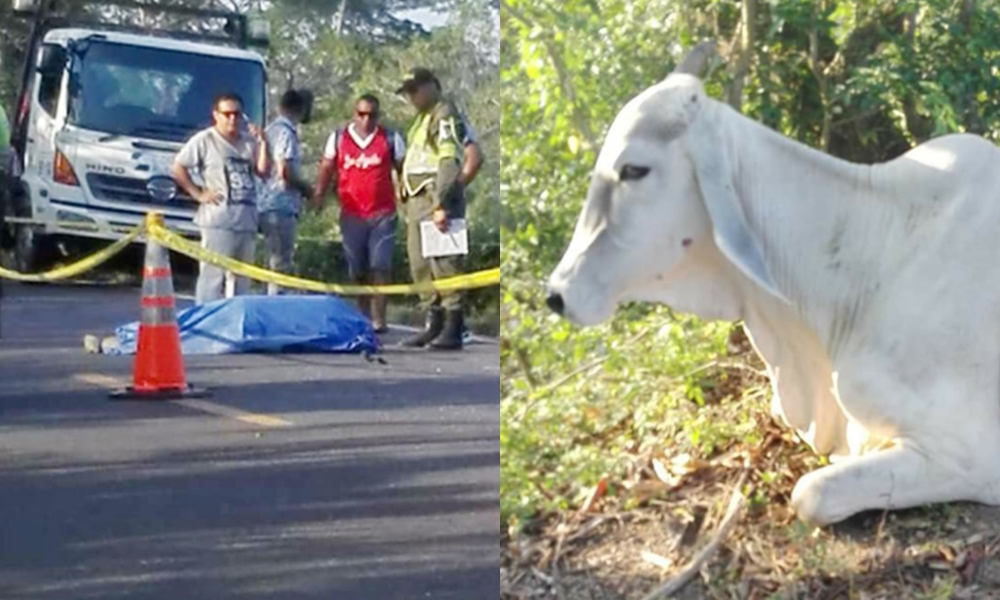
729	225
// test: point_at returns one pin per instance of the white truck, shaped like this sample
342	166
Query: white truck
103	110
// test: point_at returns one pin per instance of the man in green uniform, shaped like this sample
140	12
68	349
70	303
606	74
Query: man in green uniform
433	187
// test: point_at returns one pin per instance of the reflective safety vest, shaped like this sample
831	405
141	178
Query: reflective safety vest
435	135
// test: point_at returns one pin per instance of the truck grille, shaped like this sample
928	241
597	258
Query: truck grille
128	189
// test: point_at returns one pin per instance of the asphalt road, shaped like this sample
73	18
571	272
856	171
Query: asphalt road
303	476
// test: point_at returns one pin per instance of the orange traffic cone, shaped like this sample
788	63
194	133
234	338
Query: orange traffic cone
158	371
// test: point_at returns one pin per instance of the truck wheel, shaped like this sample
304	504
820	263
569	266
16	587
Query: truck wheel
32	251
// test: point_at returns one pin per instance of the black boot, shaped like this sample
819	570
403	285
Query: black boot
451	336
434	325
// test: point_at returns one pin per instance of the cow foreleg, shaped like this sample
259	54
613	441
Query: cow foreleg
899	477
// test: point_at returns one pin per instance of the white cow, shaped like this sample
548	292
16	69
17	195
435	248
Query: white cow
872	292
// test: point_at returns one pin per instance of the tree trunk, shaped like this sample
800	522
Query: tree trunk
338	23
968	8
819	73
918	127
973	122
747	29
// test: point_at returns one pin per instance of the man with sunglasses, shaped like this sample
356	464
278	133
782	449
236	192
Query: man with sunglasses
361	158
225	158
434	184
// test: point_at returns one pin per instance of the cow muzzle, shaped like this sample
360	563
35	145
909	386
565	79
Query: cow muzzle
583	307
555	302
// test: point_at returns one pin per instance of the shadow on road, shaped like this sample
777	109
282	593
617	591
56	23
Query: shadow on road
300	520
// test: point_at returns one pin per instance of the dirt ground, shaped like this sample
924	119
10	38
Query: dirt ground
623	547
937	552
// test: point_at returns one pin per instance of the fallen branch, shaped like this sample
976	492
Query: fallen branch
656	560
590	526
525	362
588	366
721	365
733	513
572	374
539	393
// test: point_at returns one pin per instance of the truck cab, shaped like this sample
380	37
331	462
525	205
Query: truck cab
102	114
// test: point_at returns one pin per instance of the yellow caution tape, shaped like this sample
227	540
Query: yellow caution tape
159	232
79	267
155	229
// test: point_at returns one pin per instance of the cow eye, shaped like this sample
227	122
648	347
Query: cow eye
630	172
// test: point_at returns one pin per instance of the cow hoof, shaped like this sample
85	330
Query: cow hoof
810	502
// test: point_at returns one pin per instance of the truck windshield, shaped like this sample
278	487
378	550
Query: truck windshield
156	93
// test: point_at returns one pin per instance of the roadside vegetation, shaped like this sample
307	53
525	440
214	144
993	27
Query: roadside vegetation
621	445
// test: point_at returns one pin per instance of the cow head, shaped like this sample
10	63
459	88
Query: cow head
661	198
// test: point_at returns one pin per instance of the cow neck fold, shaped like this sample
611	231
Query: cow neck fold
818	220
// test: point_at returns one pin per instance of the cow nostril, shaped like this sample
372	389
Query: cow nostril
555	302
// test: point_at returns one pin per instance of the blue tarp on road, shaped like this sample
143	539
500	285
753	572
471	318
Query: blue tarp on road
289	323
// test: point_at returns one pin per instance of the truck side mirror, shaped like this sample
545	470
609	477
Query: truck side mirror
51	59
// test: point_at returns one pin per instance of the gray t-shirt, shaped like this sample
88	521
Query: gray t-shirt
228	168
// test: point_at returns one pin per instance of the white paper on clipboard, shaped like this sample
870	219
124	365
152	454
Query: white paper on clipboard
434	243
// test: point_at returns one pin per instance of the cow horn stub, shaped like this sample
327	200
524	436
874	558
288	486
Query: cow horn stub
697	59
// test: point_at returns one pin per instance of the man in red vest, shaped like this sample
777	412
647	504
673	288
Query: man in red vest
361	158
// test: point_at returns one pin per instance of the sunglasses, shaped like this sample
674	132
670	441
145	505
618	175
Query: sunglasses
362	113
229	114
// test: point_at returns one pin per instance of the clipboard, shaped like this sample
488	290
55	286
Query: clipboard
434	243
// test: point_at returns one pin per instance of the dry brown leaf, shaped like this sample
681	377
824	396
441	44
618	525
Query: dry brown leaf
972	566
734	458
646	489
664	474
939	565
685	464
595	494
